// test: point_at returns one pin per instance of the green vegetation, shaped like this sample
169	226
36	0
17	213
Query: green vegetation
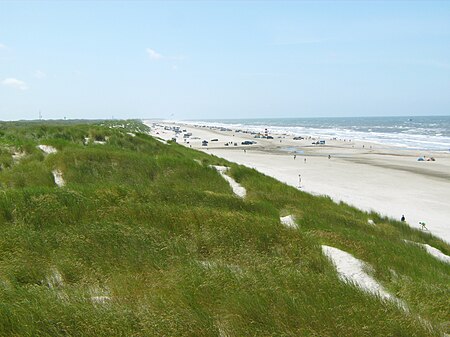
145	241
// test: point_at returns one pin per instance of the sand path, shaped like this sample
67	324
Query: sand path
238	189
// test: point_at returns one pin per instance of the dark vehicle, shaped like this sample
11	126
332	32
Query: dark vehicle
298	138
269	137
205	143
214	140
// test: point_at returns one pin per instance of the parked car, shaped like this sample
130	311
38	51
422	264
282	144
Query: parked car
214	140
205	143
298	138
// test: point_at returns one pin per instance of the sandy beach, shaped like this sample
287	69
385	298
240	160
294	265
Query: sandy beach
369	176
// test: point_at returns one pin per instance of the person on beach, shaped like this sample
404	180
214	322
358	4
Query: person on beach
403	219
295	156
329	156
305	160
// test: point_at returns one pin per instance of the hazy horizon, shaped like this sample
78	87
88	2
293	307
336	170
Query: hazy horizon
223	60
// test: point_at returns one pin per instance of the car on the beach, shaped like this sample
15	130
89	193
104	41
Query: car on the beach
298	138
205	143
248	142
214	140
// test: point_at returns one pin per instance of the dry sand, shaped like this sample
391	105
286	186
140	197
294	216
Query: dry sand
375	177
288	221
47	149
239	190
352	270
58	178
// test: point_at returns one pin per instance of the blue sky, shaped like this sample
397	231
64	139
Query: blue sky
197	60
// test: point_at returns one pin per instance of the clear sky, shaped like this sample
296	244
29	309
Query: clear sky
197	60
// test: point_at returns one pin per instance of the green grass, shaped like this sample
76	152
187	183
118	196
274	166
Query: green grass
176	253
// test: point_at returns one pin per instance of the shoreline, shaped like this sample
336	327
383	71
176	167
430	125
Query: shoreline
369	176
398	141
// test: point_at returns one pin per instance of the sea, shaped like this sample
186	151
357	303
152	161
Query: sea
415	133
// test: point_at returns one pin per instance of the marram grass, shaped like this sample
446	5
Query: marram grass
145	241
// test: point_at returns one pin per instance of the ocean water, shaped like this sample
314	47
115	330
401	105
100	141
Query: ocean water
419	133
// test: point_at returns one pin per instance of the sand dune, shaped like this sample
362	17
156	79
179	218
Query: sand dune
378	178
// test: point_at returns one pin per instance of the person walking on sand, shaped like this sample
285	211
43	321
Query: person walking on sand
403	219
305	160
295	156
423	226
329	156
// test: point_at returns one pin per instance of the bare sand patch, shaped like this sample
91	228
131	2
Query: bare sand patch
55	279
100	299
432	251
58	177
352	270
47	149
239	190
288	221
18	155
